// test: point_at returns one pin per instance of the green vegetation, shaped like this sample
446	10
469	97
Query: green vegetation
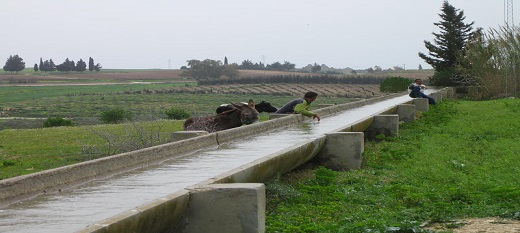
492	63
14	64
56	121
177	114
459	160
84	103
33	150
394	84
115	116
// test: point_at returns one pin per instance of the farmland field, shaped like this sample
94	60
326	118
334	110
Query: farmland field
83	96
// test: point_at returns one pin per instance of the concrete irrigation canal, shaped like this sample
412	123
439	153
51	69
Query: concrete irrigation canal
155	189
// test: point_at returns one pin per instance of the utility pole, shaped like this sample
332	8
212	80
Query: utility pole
508	13
510	76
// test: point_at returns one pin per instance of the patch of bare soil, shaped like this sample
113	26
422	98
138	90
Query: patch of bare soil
479	225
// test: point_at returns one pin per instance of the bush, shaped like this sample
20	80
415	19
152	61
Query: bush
56	121
394	84
177	114
115	116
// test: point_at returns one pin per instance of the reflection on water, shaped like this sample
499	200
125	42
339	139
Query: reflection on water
74	209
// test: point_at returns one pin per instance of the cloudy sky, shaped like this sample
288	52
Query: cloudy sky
148	34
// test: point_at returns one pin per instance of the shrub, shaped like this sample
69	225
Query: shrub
56	121
115	116
394	84
177	114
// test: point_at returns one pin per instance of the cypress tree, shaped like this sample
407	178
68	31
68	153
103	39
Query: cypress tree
448	48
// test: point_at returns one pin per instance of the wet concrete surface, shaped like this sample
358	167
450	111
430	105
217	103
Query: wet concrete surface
76	208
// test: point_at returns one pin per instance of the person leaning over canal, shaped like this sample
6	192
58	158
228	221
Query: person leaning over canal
301	106
417	91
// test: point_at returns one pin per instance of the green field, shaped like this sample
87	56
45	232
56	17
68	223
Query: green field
84	103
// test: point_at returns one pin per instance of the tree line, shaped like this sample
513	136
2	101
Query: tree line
308	79
209	68
15	63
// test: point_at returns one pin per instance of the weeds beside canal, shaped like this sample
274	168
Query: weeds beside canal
461	159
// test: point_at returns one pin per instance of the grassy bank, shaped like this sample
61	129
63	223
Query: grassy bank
461	159
33	150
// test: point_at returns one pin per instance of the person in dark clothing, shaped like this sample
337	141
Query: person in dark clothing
417	91
301	106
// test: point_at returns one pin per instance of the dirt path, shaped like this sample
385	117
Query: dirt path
480	225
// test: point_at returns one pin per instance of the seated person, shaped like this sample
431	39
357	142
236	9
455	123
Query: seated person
417	91
301	106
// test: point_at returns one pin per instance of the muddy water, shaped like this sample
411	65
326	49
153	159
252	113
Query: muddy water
74	209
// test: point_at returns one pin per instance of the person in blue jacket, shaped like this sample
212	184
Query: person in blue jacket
417	91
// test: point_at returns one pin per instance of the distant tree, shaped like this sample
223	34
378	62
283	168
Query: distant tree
230	71
377	69
203	69
315	68
225	61
14	64
449	46
420	67
81	66
47	65
97	67
41	64
67	65
396	68
35	67
370	70
275	66
288	66
90	64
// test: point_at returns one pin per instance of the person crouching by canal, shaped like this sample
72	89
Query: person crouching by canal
301	106
417	91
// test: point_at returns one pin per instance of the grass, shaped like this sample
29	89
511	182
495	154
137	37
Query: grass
460	160
33	150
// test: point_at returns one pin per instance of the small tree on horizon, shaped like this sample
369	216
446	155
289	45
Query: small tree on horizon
41	64
91	64
81	66
14	64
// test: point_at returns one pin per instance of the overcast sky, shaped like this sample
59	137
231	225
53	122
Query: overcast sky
148	34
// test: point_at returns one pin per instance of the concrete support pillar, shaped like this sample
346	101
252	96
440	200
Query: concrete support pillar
181	135
277	115
225	208
406	112
421	104
444	94
437	96
387	125
342	151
